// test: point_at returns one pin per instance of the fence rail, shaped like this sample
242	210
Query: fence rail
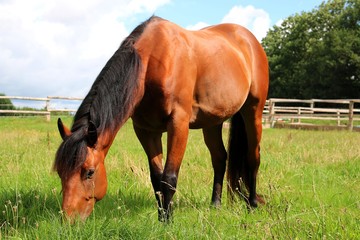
292	111
46	109
277	111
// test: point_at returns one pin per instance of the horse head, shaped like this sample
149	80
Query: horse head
85	183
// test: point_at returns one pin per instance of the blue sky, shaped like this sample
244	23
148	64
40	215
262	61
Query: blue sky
188	12
58	47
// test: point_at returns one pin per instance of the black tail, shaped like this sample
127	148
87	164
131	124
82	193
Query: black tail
237	157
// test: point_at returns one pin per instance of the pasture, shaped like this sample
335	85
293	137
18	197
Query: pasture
310	180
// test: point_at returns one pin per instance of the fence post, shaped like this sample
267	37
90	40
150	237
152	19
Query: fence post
312	104
47	107
351	115
271	113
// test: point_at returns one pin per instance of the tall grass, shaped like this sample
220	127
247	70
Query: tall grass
309	179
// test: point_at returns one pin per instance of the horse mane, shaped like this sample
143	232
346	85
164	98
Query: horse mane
107	105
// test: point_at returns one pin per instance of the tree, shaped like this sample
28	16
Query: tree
316	54
5	103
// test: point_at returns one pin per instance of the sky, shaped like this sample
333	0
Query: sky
58	47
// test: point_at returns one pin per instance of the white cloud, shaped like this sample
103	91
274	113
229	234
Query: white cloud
57	47
256	20
103	40
138	6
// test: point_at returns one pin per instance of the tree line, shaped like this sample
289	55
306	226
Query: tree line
5	103
316	54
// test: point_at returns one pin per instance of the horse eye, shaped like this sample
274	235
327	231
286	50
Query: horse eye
89	173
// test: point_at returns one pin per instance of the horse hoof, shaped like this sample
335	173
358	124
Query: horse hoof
165	219
254	202
216	204
164	215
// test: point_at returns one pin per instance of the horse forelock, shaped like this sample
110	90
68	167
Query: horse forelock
71	153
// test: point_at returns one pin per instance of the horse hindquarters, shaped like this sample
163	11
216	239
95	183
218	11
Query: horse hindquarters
244	155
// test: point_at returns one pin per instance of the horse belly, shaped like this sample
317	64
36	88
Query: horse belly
216	104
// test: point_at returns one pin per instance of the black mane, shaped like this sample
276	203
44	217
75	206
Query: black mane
107	105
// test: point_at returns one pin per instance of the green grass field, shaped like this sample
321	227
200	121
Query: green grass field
310	180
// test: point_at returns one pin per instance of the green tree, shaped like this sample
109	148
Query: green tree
316	54
6	103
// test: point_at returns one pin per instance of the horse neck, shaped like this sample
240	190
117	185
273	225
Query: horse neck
107	136
105	141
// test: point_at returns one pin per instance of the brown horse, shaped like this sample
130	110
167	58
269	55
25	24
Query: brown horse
168	79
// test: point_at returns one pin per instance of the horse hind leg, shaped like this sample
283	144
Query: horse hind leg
252	116
214	142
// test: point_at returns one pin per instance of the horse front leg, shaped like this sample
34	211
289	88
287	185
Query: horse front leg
151	142
178	130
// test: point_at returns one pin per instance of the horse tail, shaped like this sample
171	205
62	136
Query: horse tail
237	155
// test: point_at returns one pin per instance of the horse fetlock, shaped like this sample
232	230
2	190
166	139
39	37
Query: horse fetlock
169	182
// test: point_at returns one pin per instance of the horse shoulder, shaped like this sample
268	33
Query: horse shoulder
169	75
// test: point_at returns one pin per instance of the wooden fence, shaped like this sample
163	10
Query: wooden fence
313	113
277	112
46	106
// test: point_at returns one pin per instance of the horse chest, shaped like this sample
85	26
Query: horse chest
151	115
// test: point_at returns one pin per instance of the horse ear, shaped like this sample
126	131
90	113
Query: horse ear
64	131
92	134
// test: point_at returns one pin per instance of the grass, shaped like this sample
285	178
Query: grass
310	180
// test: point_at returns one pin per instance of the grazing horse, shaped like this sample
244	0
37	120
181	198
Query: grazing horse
168	79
